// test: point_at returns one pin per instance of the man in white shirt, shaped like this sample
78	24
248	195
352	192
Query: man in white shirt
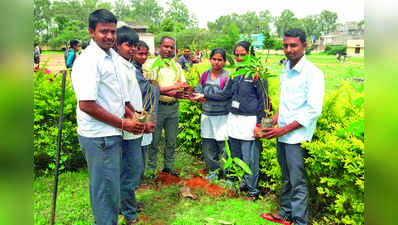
131	163
301	98
102	103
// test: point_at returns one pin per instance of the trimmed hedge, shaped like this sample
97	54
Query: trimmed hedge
333	50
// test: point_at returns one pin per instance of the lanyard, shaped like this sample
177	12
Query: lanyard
238	86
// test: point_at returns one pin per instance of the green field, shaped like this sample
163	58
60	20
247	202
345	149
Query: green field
52	52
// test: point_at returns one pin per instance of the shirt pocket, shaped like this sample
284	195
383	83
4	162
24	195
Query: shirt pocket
296	94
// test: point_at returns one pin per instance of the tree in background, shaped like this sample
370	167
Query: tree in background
269	41
311	26
122	10
147	11
179	13
247	23
328	22
58	21
42	15
286	21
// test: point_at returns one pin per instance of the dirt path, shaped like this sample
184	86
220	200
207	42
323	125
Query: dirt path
55	62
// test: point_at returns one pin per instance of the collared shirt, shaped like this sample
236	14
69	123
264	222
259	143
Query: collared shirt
241	126
129	79
147	89
95	78
164	76
301	98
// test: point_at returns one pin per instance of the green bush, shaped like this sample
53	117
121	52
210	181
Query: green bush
335	162
189	138
47	94
333	50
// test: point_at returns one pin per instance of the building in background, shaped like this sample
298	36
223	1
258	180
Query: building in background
141	29
355	47
349	34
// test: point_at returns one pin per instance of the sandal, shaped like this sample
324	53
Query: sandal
140	207
252	197
274	217
131	222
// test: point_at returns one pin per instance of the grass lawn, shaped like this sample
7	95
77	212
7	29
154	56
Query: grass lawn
52	52
163	205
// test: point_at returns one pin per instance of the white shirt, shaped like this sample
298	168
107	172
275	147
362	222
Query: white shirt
302	90
95	78
146	139
241	127
214	127
128	76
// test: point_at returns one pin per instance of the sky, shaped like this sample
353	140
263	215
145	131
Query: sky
210	10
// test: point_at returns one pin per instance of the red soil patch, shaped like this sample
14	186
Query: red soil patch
167	179
197	182
201	183
194	183
215	190
144	219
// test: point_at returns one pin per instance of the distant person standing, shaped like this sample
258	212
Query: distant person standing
301	98
71	53
187	60
199	55
338	57
36	55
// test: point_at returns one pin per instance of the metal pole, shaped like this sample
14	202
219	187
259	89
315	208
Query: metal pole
175	39
61	118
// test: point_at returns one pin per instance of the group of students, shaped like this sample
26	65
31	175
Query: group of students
231	110
111	81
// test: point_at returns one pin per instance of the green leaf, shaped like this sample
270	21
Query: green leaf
227	150
228	163
243	165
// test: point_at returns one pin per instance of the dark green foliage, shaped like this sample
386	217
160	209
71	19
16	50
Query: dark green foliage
189	138
47	94
333	50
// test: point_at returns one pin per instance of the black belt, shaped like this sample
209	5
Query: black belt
168	103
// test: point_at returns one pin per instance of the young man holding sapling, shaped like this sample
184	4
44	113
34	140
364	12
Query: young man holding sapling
102	106
131	163
301	98
150	94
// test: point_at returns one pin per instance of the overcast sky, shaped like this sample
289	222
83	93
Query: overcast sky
210	10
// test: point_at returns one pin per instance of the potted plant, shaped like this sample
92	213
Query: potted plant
255	67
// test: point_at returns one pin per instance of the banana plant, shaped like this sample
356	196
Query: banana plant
235	166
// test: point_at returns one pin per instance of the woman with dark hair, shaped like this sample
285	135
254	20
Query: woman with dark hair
246	112
214	111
